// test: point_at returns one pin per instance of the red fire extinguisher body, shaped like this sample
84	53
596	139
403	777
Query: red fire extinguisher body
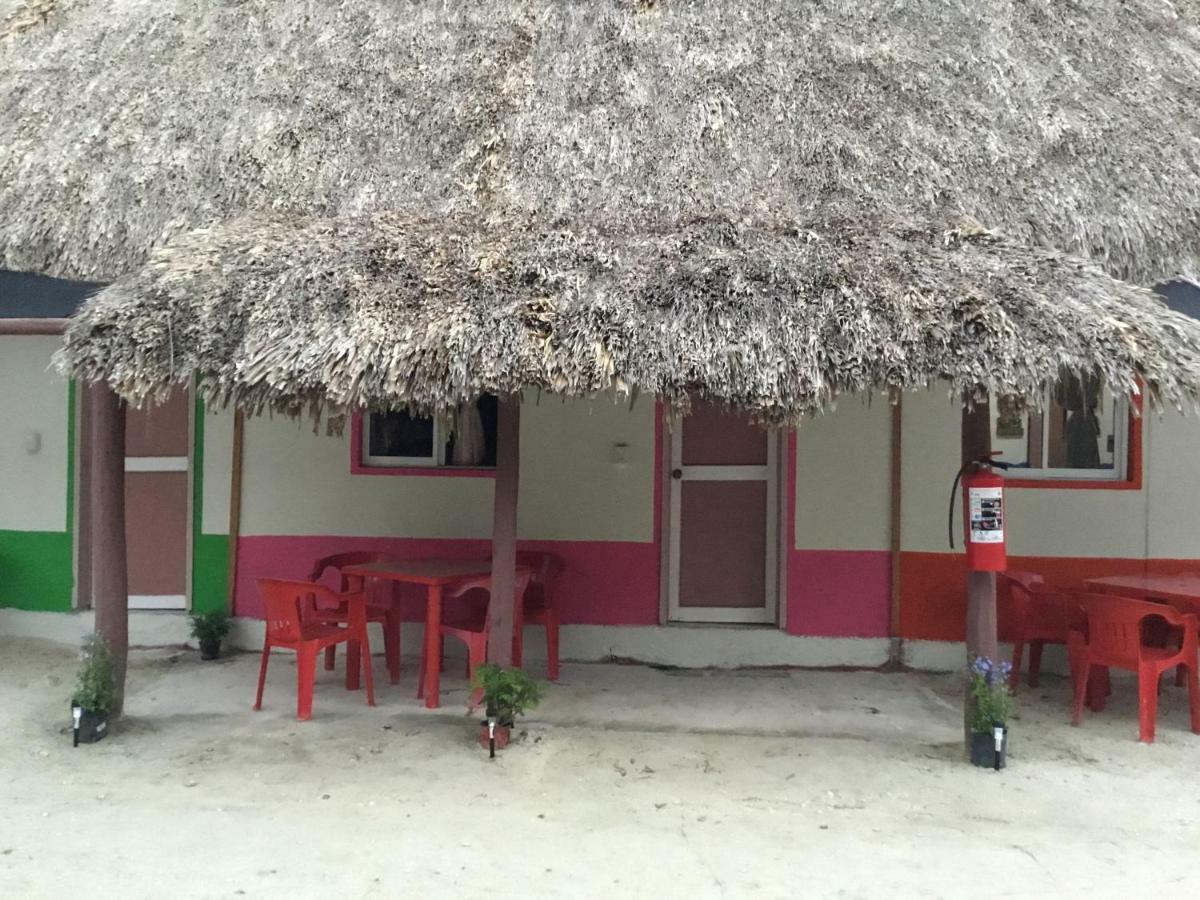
983	519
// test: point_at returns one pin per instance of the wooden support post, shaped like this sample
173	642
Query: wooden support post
235	507
896	643
32	326
504	532
981	586
110	584
83	496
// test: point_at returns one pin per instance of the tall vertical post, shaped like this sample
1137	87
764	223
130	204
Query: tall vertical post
896	641
235	507
110	581
981	586
502	606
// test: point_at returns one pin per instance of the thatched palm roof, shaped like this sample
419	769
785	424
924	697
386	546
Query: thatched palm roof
387	310
1066	125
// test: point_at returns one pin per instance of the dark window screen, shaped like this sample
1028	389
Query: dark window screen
399	434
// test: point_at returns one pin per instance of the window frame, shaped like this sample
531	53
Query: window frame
1086	479
362	463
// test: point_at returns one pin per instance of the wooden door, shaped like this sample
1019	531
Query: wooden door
723	519
157	511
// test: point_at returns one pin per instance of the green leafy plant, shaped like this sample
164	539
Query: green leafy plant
992	699
210	626
96	687
507	693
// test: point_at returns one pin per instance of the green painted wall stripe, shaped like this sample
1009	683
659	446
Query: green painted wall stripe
36	570
210	552
210	566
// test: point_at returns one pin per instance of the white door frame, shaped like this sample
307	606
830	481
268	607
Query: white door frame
768	613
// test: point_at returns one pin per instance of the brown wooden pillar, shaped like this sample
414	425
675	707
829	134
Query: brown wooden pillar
110	585
896	640
235	507
981	586
504	531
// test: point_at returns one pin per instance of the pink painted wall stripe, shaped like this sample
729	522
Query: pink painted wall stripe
604	583
838	593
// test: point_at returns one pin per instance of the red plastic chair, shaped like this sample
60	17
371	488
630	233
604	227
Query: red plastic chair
1115	638
287	629
1041	616
540	605
381	606
470	623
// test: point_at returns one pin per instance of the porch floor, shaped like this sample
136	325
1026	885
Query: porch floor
627	780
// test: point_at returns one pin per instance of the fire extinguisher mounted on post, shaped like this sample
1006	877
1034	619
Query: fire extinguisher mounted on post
983	514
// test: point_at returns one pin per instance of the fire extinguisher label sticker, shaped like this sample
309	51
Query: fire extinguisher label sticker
987	515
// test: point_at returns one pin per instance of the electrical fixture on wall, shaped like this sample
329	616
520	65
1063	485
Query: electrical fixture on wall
619	455
33	442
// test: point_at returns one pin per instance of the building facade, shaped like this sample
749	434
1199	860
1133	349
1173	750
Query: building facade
702	542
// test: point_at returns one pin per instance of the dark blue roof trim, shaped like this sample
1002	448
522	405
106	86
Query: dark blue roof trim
26	296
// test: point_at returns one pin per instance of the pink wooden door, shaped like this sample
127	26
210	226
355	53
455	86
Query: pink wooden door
156	503
723	522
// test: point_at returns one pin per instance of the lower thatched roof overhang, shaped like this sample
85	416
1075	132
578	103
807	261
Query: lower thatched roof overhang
302	314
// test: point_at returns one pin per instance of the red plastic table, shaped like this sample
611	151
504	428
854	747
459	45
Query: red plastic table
1183	589
435	574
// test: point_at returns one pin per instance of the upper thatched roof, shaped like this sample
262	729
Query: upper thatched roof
389	311
1068	125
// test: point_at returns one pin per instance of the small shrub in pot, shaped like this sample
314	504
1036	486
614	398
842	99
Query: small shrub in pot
209	629
992	704
507	693
95	691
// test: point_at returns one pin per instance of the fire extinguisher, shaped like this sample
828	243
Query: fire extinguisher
983	514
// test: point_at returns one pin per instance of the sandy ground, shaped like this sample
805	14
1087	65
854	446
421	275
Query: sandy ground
627	782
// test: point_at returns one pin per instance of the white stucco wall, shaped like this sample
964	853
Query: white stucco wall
1096	522
298	482
931	441
33	402
843	475
218	471
1172	485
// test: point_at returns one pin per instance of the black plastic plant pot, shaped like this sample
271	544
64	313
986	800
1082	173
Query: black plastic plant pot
210	648
93	726
984	753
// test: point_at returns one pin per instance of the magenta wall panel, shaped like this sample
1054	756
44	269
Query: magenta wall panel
838	593
605	582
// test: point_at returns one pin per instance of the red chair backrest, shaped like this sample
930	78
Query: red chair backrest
1115	625
281	600
547	570
340	560
1040	611
1022	580
484	584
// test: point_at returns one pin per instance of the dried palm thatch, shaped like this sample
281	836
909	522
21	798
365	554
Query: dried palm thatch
1065	124
390	311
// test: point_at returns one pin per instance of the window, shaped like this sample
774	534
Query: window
401	440
1082	432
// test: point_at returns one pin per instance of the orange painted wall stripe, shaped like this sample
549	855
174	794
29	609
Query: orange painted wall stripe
933	586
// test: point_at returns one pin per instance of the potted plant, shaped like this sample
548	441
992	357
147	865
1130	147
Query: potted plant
209	628
991	705
94	692
507	693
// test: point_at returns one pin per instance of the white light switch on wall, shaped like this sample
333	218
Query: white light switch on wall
33	442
